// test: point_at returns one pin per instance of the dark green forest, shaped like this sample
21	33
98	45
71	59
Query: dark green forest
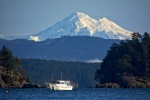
7	59
41	71
15	72
10	70
127	62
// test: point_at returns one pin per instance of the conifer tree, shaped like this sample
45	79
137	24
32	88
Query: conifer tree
7	59
129	58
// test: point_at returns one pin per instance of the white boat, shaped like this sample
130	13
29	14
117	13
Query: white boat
59	85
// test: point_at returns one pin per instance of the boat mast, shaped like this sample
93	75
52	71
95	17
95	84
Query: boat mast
61	75
52	77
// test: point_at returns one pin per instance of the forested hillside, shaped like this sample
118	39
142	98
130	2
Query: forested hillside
41	71
66	48
127	63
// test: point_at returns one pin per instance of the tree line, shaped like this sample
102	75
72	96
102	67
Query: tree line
129	58
7	60
41	71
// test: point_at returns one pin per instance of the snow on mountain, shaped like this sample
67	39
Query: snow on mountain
80	24
112	30
73	25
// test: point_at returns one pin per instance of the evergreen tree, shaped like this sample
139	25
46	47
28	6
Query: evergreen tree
9	67
7	60
129	58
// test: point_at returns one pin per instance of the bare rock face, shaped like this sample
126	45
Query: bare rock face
11	80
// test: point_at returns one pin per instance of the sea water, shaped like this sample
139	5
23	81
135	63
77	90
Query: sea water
77	94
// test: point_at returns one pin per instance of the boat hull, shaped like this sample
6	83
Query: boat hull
58	87
63	88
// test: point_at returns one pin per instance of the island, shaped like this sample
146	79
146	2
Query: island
126	65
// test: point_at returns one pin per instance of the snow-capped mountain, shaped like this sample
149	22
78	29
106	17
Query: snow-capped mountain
80	24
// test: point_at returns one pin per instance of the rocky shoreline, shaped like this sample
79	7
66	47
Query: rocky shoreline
30	85
128	82
15	80
107	85
114	85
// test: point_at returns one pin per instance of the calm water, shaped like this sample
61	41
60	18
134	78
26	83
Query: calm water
79	94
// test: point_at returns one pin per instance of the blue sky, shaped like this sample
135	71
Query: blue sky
24	17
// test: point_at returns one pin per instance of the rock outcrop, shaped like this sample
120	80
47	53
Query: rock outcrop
128	82
12	79
108	85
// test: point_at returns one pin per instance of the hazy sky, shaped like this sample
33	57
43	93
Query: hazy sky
24	17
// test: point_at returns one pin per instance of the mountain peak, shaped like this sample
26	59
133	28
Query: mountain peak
80	24
79	13
103	19
77	16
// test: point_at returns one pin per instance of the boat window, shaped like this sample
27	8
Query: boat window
68	83
56	82
62	83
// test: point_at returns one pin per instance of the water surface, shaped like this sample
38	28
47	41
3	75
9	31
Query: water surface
78	94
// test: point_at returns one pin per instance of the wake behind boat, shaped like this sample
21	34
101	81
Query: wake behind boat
59	85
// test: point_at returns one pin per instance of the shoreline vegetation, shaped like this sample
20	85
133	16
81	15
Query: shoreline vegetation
12	75
9	70
126	65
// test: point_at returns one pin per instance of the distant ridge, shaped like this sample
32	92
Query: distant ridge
67	48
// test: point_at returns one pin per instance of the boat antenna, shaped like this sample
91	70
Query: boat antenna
61	75
52	77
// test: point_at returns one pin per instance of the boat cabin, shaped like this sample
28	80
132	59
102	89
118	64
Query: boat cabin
62	82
